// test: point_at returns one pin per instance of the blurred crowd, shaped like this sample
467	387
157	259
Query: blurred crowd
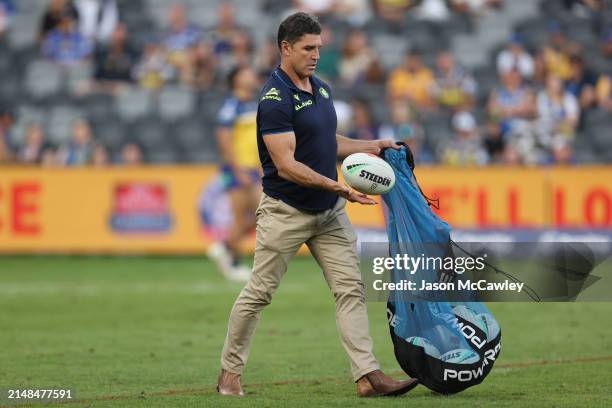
531	114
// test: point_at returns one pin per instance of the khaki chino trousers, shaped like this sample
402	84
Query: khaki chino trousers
281	230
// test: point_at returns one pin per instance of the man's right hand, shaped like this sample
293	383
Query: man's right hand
345	191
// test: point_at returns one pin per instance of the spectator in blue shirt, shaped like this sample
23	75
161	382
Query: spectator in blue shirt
223	33
65	44
7	11
364	125
54	14
180	37
78	151
7	6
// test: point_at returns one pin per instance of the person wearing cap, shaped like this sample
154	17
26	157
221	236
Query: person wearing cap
556	52
466	148
514	56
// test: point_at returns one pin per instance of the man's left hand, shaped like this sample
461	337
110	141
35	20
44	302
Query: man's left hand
383	144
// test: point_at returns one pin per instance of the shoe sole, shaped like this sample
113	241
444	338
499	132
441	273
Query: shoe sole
396	393
225	394
404	390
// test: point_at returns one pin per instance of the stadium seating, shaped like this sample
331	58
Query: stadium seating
76	77
190	136
43	79
23	32
99	107
151	133
176	103
60	121
133	103
112	133
39	91
437	130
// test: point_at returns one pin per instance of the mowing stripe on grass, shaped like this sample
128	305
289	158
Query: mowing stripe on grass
212	388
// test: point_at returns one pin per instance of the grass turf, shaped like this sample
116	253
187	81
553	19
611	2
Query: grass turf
149	331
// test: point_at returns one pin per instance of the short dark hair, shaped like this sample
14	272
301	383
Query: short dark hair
295	26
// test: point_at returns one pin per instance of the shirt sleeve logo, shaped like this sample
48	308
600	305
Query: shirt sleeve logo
324	93
273	94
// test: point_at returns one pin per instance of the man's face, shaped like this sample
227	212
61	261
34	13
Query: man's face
445	62
516	48
119	34
414	62
35	135
66	24
512	79
554	85
303	55
577	68
227	14
81	133
178	19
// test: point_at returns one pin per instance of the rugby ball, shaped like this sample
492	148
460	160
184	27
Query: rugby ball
445	337
460	356
471	316
426	344
368	174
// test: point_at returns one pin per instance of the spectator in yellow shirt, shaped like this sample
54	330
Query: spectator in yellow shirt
413	81
554	56
393	11
604	92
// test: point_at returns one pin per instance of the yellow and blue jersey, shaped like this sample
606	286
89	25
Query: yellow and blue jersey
241	118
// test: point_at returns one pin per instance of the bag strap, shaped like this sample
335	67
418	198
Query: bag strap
435	203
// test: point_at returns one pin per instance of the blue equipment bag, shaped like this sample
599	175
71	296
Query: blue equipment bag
448	346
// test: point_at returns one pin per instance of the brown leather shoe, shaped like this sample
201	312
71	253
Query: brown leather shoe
229	384
377	384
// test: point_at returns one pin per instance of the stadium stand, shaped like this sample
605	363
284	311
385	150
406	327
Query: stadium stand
169	107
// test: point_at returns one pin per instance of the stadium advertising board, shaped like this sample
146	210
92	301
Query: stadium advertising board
522	198
182	209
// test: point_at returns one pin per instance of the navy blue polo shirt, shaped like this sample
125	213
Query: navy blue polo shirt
283	107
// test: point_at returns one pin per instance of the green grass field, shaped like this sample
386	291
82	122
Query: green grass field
148	332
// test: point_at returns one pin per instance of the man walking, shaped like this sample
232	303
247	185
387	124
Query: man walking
303	202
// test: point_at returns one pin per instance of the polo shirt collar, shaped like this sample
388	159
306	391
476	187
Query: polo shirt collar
287	81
